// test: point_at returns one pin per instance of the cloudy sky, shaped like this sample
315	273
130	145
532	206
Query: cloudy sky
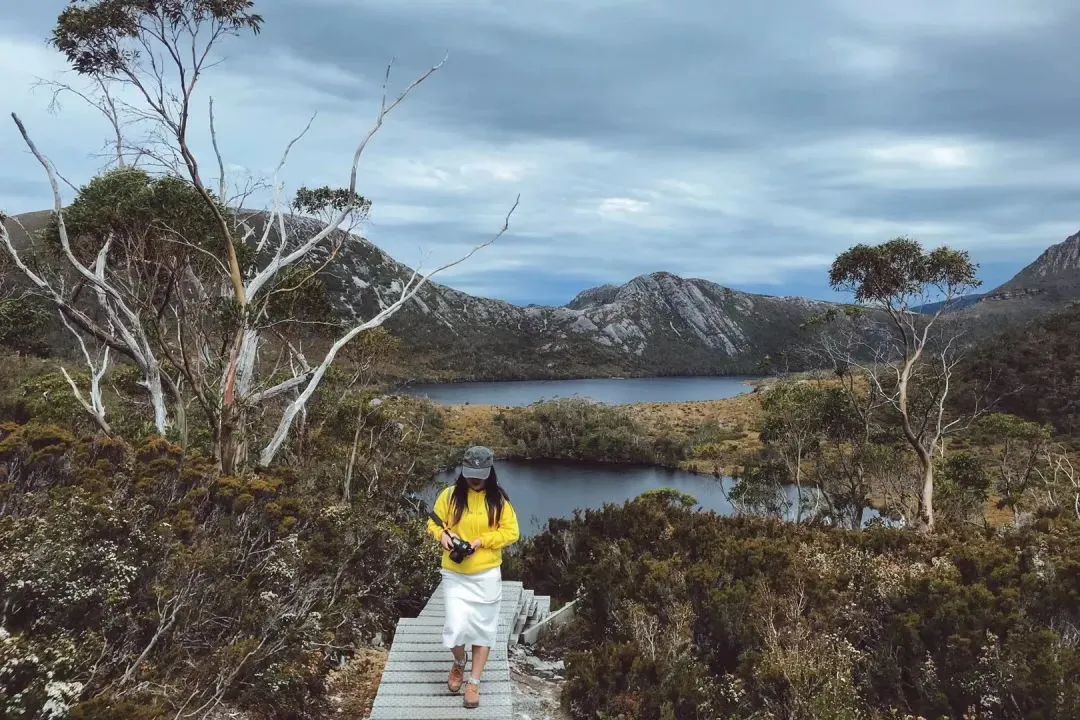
744	143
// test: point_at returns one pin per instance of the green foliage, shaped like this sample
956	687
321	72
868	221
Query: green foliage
760	489
962	488
583	430
689	615
900	269
791	429
1034	370
1005	427
793	410
571	428
22	324
154	221
322	200
826	433
1018	455
300	294
49	399
256	584
100	36
670	496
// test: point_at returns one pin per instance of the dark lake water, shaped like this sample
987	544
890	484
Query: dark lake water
613	391
545	489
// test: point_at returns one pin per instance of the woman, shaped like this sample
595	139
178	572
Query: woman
478	511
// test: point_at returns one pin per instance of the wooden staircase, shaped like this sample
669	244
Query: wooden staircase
413	685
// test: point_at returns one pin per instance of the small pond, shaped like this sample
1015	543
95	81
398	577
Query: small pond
545	489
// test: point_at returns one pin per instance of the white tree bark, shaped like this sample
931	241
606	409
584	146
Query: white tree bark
227	383
95	403
407	293
122	318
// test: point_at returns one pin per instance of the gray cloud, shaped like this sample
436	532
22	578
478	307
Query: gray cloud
744	143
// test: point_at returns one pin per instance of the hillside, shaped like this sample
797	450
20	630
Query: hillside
1034	369
656	324
1047	284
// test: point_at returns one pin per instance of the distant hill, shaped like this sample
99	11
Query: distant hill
655	324
957	305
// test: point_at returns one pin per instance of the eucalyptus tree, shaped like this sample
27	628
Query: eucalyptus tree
197	319
909	355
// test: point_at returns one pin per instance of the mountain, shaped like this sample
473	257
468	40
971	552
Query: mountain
957	305
1046	285
655	324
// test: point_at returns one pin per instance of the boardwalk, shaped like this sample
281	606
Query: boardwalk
413	685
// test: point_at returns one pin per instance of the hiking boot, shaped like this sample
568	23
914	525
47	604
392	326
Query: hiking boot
457	676
472	693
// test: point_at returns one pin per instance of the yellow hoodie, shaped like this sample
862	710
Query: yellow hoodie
473	525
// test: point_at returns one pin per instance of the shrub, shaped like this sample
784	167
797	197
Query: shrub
790	621
578	429
134	578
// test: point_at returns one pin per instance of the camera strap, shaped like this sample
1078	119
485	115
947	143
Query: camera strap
437	520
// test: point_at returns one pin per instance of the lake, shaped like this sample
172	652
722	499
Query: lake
613	391
545	489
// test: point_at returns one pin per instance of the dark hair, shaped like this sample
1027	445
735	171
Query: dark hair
495	496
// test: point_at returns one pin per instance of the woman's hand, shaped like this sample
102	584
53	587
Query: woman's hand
447	541
477	544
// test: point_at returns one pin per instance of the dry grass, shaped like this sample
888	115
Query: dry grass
740	416
466	425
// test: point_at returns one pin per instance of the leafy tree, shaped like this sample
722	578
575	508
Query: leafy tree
1018	449
963	488
760	490
199	320
912	366
792	429
858	458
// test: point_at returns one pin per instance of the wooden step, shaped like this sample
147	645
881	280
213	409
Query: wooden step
413	683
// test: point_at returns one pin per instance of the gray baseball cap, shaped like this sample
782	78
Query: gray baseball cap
477	462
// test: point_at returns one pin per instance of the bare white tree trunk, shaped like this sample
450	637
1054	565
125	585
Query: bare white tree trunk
94	404
407	293
226	382
346	493
131	337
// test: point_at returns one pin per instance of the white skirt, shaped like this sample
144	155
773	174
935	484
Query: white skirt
472	608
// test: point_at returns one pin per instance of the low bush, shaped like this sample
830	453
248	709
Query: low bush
579	429
136	580
689	615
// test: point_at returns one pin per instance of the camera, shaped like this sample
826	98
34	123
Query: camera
459	549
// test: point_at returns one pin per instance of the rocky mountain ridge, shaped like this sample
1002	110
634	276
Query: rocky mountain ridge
655	324
1049	283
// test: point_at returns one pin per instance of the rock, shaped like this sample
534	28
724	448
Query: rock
537	686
